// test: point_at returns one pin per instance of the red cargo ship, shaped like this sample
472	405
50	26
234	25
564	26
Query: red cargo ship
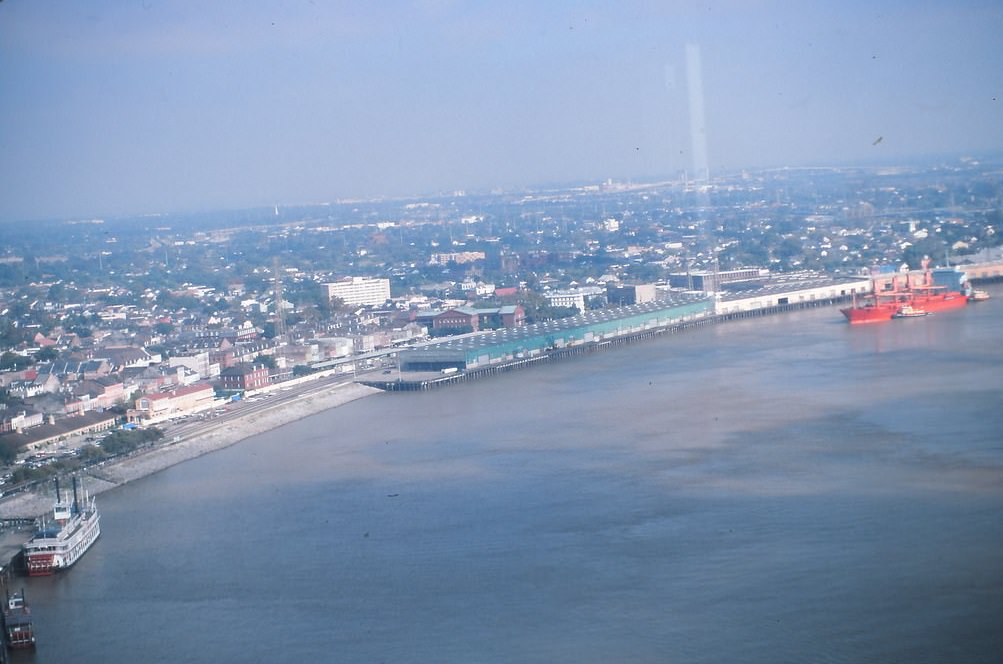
884	304
875	308
937	298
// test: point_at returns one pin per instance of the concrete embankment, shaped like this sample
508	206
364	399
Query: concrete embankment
112	474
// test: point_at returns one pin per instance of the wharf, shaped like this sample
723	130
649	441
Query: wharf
426	380
429	382
11	541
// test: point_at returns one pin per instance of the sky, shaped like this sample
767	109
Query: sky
112	108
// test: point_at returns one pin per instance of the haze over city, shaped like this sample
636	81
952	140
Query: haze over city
128	108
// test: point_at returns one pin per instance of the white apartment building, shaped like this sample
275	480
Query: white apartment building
198	362
360	290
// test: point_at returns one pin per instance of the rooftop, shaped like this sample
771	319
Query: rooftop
507	335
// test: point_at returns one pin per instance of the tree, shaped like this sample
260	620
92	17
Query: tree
47	354
122	441
8	452
789	249
90	452
13	362
160	349
266	360
930	246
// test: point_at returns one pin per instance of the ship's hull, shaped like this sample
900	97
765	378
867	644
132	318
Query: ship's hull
939	301
18	632
47	555
17	628
875	313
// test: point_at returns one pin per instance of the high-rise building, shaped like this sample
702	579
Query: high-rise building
360	290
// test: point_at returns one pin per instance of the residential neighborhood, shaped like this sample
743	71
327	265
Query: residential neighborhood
138	321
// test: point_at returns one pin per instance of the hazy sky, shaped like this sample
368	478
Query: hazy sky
118	107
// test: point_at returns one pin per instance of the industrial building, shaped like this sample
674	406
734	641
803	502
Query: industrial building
484	349
623	294
712	281
781	292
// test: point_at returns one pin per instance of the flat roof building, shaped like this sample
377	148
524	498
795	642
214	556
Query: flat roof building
710	282
360	290
623	294
793	290
479	350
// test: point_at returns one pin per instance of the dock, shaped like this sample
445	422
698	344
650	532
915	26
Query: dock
428	380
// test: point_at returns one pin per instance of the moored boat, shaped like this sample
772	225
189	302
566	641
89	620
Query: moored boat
17	628
59	543
937	298
978	295
875	307
941	289
870	313
909	311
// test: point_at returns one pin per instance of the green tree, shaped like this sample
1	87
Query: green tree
123	441
8	452
90	452
13	362
266	360
931	246
47	354
24	473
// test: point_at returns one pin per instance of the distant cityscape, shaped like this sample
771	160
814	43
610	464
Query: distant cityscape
136	321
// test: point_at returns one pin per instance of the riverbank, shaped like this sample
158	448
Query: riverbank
113	474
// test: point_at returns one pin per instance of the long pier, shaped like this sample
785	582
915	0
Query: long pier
419	385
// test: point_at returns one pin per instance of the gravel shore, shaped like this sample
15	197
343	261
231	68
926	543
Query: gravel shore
113	474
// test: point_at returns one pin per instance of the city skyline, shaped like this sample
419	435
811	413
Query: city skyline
166	107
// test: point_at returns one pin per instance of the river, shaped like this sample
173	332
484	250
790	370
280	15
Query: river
787	489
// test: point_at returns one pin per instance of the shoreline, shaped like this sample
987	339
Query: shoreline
33	504
112	474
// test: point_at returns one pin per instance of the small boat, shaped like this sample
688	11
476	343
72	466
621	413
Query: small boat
978	295
17	629
909	311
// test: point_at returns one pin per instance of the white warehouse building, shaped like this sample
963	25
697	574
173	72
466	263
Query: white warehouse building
796	292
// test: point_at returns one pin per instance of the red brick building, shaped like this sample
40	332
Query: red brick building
244	377
459	318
